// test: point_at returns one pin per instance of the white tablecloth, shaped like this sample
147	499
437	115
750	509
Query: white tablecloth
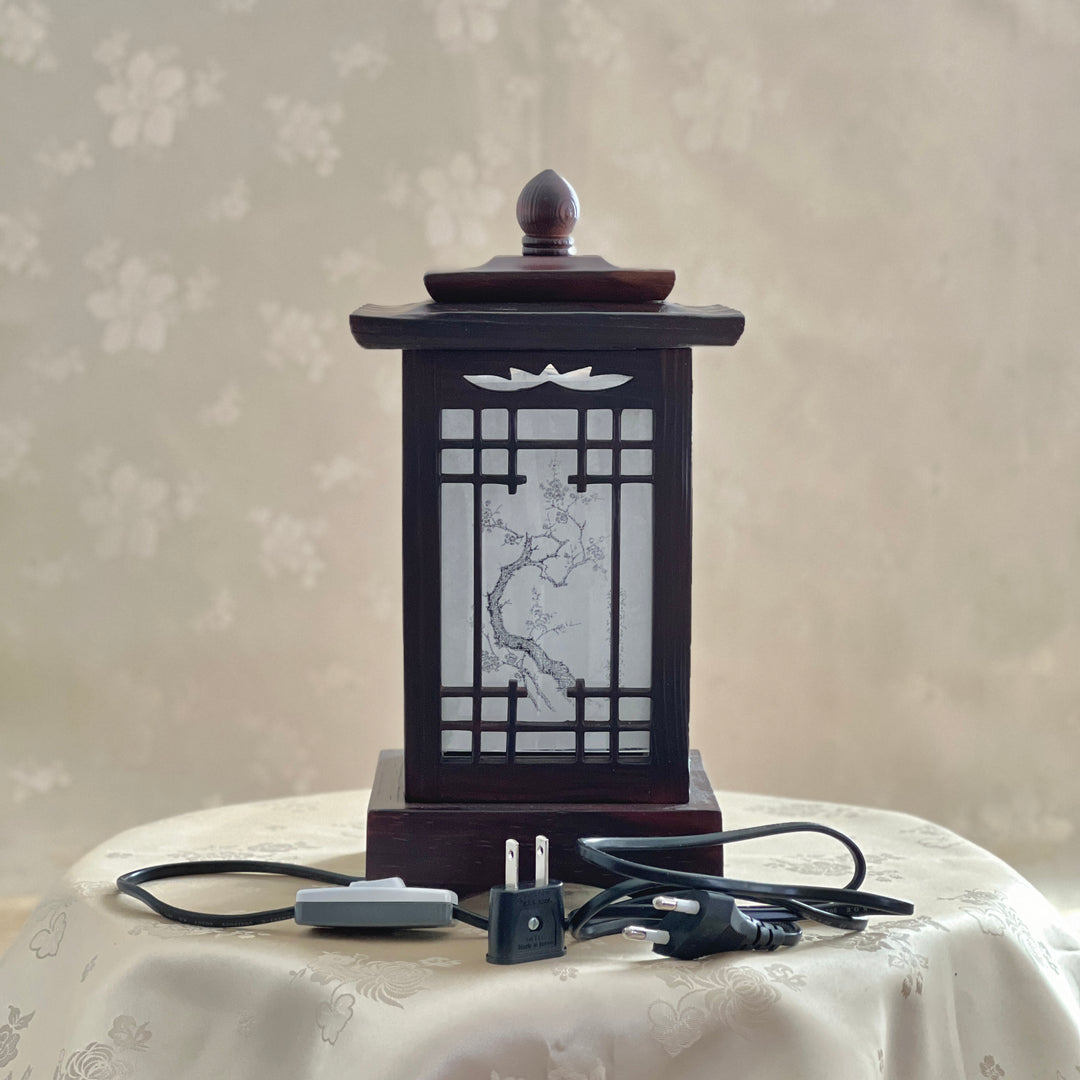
982	982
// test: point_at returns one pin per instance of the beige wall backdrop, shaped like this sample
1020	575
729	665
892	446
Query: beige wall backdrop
199	470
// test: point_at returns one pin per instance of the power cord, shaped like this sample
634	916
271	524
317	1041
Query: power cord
683	914
131	884
687	914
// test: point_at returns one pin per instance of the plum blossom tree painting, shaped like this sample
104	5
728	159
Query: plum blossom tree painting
547	555
543	518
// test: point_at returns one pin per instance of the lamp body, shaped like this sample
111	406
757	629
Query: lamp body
547	575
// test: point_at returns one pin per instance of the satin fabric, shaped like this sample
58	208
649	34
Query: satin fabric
981	982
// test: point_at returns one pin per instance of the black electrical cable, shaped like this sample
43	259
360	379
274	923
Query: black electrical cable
629	902
131	884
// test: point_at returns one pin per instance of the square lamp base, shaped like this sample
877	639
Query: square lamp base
460	846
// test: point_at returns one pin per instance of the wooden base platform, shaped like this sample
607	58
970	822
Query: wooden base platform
460	846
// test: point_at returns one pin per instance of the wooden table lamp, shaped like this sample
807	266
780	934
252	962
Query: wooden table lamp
546	549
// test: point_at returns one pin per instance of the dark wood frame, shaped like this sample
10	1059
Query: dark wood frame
433	380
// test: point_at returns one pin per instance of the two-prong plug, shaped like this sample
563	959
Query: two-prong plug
525	922
700	923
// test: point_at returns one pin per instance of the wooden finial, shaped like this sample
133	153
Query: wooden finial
547	210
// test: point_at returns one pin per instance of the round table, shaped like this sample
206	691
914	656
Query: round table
981	982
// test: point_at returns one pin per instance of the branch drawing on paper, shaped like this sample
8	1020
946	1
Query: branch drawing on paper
543	596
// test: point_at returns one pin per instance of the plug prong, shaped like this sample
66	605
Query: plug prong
643	933
511	864
541	877
675	903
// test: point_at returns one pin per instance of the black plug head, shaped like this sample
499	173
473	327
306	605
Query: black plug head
717	926
526	922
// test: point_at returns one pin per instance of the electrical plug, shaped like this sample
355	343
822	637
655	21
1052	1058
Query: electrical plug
525	922
700	923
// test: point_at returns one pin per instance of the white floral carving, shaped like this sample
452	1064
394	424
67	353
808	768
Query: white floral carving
19	245
458	201
288	545
24	34
149	94
297	337
303	132
464	24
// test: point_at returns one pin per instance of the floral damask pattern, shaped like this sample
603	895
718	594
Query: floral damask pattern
11	1032
389	982
717	993
997	917
897	940
112	1060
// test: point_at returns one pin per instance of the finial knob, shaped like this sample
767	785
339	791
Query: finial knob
547	210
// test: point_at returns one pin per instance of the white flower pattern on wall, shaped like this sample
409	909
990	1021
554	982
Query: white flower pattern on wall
234	205
24	35
56	367
463	24
141	298
136	306
591	36
128	509
149	94
296	337
20	242
58	161
303	132
458	201
224	410
720	99
287	545
369	57
29	778
16	438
